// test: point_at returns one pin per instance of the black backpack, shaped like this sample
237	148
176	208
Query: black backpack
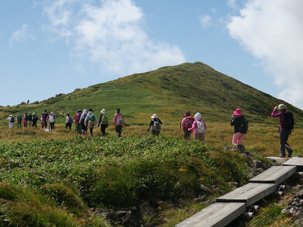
288	121
244	126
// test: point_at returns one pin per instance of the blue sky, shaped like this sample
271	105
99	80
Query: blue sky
49	47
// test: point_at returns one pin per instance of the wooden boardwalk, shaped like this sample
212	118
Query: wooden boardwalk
231	205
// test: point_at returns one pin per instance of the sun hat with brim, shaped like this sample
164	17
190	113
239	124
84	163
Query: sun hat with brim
281	107
103	111
237	112
154	116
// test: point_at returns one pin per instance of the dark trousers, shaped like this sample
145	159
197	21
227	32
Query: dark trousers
103	127
119	130
68	125
284	134
186	134
34	123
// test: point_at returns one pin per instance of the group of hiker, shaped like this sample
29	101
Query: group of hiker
85	120
30	120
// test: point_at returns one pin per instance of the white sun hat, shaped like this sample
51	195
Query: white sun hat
154	116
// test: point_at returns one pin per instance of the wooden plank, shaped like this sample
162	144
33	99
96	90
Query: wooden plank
249	193
275	174
216	215
295	161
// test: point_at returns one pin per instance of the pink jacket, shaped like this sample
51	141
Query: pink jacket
116	118
194	126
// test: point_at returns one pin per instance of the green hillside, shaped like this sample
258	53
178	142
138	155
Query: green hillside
169	92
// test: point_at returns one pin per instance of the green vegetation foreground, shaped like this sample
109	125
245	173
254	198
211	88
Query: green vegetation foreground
52	181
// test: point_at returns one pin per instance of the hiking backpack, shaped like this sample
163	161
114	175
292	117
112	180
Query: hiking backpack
12	120
244	126
200	127
288	121
186	123
157	126
51	119
120	119
70	120
92	117
104	119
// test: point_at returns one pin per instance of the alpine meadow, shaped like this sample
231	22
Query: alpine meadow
58	178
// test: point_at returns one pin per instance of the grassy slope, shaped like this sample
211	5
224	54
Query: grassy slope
168	91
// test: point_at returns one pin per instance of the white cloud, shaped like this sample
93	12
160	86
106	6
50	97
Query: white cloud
232	4
272	31
21	35
205	21
109	33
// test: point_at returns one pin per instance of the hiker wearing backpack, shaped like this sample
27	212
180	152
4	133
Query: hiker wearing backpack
44	117
199	128
35	119
30	120
240	126
286	125
187	123
78	127
118	122
51	119
91	119
68	122
25	119
11	121
83	124
19	121
103	120
155	124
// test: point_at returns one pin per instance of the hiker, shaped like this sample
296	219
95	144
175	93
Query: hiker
199	128
155	124
78	127
68	122
51	120
240	127
286	125
25	119
42	121
83	123
118	122
44	117
30	120
11	121
19	121
35	119
187	123
91	119
103	120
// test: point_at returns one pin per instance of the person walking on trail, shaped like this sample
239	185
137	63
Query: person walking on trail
44	117
155	124
11	121
30	120
25	119
83	123
286	125
35	119
19	121
199	128
118	122
51	120
103	120
240	127
68	122
78	127
91	119
187	123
